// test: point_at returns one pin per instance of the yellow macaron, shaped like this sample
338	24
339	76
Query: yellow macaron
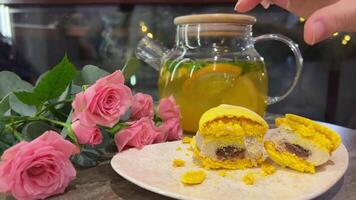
300	143
231	120
229	137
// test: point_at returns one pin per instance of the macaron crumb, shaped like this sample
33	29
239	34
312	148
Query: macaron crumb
179	149
249	178
178	163
186	140
222	173
193	177
267	169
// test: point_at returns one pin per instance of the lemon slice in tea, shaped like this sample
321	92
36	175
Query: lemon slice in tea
211	80
244	93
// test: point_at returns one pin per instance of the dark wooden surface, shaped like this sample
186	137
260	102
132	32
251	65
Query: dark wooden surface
103	183
61	2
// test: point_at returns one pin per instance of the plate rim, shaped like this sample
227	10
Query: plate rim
185	197
346	166
149	187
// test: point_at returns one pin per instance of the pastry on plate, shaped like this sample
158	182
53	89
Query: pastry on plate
229	137
300	143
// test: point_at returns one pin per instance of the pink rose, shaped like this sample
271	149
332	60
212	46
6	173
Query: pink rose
142	106
137	134
168	109
37	169
170	130
114	78
104	102
169	112
78	104
87	134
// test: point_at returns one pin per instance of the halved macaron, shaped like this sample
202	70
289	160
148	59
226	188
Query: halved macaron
230	137
300	143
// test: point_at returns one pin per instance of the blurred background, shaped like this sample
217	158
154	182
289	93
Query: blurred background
35	34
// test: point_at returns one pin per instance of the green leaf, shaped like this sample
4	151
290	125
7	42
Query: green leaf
114	130
20	107
65	95
89	75
2	126
56	113
75	89
7	140
91	153
158	121
27	97
106	139
51	85
68	131
85	159
4	106
34	129
64	131
9	113
72	135
9	82
8	119
41	77
3	146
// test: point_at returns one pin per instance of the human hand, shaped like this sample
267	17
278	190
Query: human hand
324	17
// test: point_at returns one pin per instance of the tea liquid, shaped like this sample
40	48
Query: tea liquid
198	87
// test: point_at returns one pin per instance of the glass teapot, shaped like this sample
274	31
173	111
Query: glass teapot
214	62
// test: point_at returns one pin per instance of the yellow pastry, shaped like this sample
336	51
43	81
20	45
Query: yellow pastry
249	178
178	163
222	173
229	137
300	143
193	177
186	140
267	169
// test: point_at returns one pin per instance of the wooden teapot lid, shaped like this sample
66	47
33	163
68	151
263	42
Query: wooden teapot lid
215	18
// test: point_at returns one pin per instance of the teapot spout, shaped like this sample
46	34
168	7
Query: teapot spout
150	52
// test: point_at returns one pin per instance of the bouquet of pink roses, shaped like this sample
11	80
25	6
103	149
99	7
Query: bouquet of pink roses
72	117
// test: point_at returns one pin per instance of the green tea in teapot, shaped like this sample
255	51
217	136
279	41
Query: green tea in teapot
199	86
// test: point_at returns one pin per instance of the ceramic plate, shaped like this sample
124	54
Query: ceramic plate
151	168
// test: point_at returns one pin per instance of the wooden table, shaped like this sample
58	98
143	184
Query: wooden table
101	182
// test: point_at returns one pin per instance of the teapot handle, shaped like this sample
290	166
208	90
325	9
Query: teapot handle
298	60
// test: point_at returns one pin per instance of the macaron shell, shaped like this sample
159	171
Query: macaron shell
286	159
230	111
309	129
